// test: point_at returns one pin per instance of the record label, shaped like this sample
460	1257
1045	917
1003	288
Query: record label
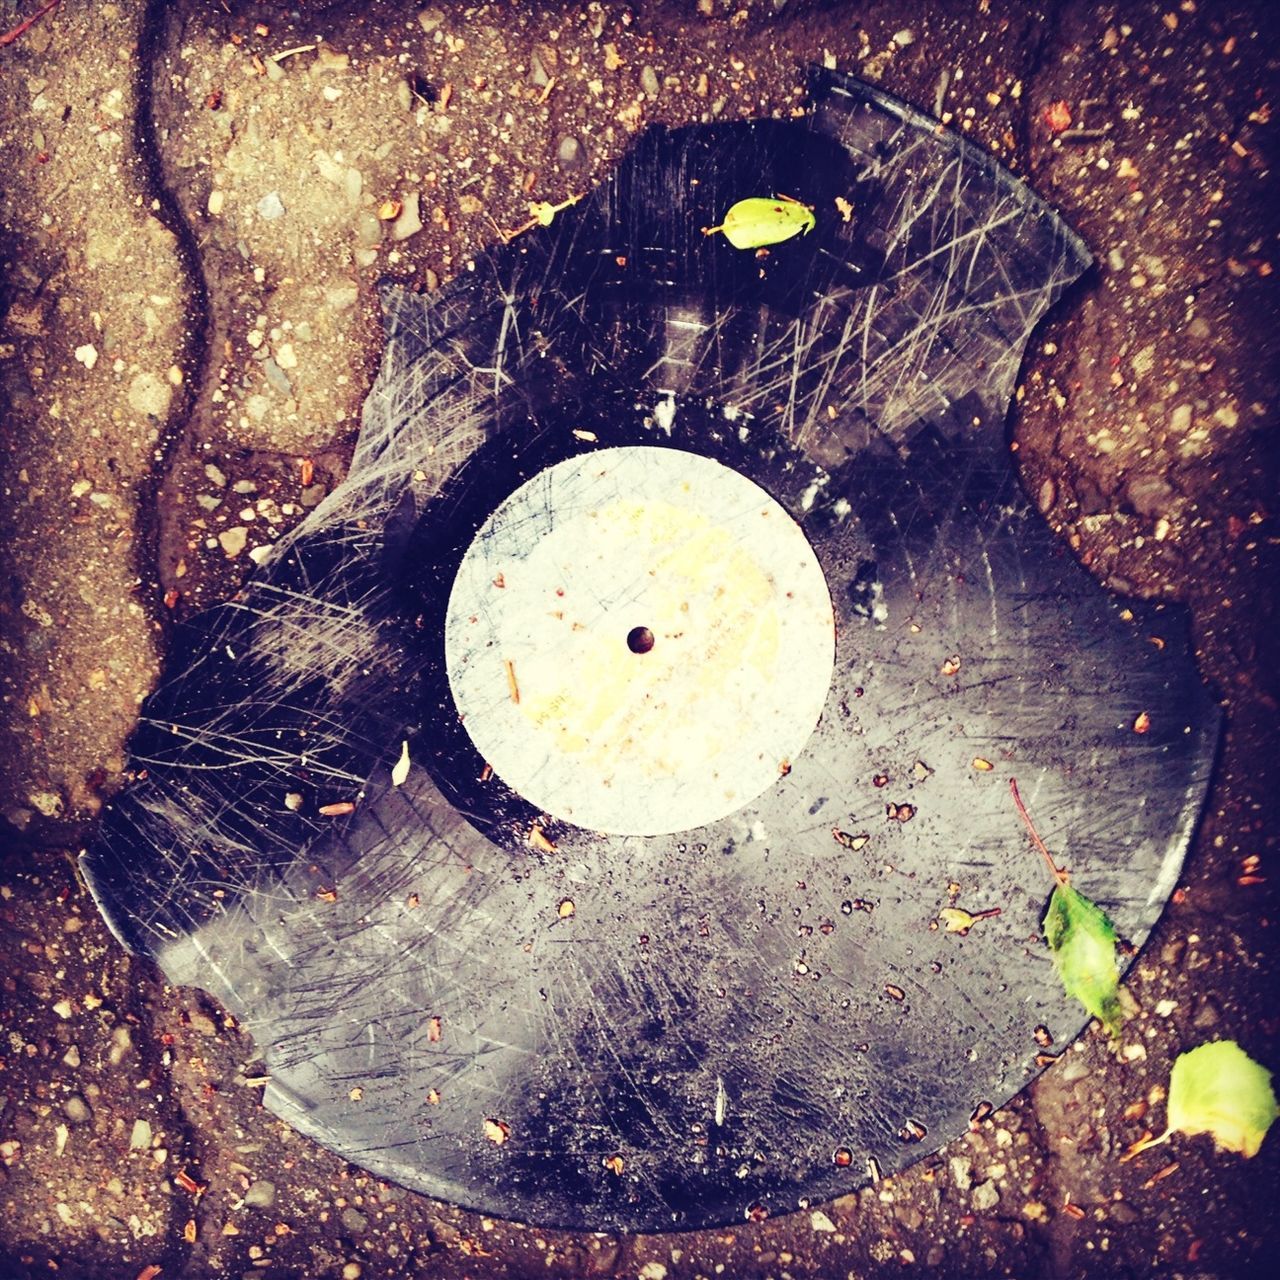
639	640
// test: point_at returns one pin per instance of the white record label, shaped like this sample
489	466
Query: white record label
639	640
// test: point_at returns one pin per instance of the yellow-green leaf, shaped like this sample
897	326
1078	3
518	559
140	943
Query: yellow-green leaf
1082	940
759	221
1218	1089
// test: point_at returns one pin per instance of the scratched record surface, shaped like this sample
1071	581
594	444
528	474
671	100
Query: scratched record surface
565	806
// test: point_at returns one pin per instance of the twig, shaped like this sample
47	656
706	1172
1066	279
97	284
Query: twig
23	27
1058	873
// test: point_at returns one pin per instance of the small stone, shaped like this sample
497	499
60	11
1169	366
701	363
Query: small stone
909	1216
150	395
569	153
286	356
1115	260
1123	1214
342	297
1073	1069
216	474
216	202
430	19
962	1172
354	1220
1149	495
1180	418
409	221
1206	1016
87	355
538	72
270	207
985	1197
261	1195
352	1271
904	38
313	495
72	1057
820	1222
121	1043
649	82
204	1024
140	1137
277	377
233	540
63	1009
76	1109
207	502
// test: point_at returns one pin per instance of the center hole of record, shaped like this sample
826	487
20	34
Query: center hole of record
639	639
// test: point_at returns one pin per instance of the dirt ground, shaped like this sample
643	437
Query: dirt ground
191	226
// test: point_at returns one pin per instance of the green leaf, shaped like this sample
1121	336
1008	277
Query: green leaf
759	221
1083	942
1218	1089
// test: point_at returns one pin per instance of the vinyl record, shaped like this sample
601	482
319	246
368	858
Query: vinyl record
567	806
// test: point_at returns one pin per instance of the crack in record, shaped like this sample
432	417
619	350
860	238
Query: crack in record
458	988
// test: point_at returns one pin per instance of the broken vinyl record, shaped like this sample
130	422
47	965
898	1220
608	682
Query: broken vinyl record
568	804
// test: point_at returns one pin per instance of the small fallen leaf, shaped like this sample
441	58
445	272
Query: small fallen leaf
849	841
336	810
844	208
1081	938
759	221
1218	1089
537	839
958	920
497	1131
1083	942
543	212
400	771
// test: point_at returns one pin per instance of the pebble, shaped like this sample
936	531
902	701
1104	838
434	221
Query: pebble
569	152
368	229
233	540
76	1109
820	1222
313	495
207	502
216	474
985	1196
649	82
277	377
140	1137
430	19
1180	418
261	1195
216	202
87	355
72	1056
270	207
354	1220
352	1271
1149	494
962	1172
409	221
150	394
538	72
121	1043
342	297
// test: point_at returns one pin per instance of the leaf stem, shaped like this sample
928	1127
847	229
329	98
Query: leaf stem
1056	871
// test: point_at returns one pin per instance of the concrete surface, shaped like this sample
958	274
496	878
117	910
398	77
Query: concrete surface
189	234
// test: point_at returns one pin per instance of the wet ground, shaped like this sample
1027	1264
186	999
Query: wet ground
196	200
